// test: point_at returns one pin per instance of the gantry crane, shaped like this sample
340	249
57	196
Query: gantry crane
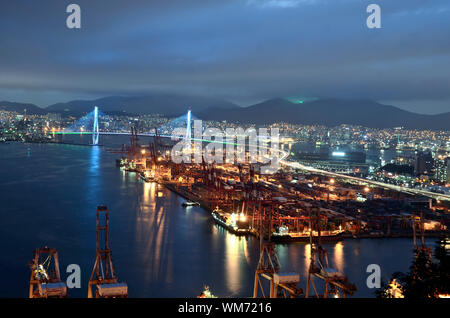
103	276
281	284
45	280
335	283
417	221
134	145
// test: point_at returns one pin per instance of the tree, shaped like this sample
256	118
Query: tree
442	271
426	279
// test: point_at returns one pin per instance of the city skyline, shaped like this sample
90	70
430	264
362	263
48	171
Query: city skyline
244	150
365	184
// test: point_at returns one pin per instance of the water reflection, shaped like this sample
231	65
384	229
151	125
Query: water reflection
94	174
307	259
159	248
94	163
338	258
149	193
282	251
357	248
153	230
232	267
215	237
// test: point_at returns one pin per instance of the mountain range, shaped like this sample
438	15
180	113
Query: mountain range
166	104
328	112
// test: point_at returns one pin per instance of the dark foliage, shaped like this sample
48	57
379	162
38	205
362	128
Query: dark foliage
426	278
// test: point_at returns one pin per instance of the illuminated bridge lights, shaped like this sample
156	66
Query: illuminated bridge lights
188	131
71	132
95	131
283	155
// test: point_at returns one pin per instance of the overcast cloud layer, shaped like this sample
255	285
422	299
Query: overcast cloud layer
241	50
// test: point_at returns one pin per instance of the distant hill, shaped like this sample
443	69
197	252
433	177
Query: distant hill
20	108
170	105
330	112
270	111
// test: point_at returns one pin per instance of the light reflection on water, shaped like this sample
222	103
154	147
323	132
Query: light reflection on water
152	229
339	258
232	268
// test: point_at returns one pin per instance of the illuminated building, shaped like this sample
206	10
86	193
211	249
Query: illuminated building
441	168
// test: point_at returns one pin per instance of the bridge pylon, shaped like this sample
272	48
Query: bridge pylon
188	132
95	130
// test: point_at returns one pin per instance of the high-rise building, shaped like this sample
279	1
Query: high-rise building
424	163
441	168
448	171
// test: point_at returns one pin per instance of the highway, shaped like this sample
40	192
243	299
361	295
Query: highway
437	196
296	165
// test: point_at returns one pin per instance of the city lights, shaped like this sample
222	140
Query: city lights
241	150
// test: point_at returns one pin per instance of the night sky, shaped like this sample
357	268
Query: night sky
244	51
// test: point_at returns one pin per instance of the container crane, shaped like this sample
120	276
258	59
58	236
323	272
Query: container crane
281	284
103	276
45	280
417	222
335	283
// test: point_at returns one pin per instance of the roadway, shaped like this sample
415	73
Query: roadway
296	165
437	196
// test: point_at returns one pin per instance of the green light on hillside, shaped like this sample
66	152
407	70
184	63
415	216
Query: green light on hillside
301	99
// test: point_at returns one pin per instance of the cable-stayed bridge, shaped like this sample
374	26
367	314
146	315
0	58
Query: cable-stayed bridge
90	125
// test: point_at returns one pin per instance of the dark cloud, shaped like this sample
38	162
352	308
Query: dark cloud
242	50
